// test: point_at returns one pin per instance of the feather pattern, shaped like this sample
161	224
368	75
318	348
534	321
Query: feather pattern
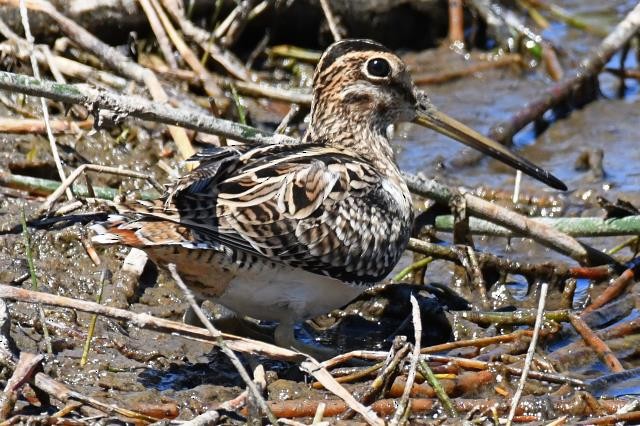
306	206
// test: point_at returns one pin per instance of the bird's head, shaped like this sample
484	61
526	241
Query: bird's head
360	88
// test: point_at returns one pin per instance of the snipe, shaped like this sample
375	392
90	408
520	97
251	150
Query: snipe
288	232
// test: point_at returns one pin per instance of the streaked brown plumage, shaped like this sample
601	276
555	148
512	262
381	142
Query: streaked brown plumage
287	232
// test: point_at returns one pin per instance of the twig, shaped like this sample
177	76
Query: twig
158	30
46	206
331	20
614	290
312	367
34	279
43	104
597	344
404	404
248	88
468	70
223	345
138	107
41	186
456	24
63	393
223	57
516	222
36	125
530	352
433	381
187	54
149	322
388	369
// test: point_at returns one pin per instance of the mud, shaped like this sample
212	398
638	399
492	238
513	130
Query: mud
132	367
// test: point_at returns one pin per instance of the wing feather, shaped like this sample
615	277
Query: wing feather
307	206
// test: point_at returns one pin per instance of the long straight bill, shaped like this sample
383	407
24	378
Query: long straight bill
442	123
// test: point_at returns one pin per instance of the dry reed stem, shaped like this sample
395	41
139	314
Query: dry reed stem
216	334
530	352
43	104
316	369
158	30
149	322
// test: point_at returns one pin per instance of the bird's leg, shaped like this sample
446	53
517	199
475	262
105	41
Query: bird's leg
284	337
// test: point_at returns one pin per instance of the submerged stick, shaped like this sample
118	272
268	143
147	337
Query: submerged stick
597	344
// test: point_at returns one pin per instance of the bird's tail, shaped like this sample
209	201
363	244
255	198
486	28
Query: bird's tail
142	224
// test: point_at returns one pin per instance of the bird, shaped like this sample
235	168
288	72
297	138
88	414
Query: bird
286	232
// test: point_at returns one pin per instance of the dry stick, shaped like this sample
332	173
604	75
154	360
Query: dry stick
45	110
320	373
478	343
404	405
66	66
63	393
136	106
46	206
295	96
222	344
331	20
161	35
456	24
530	352
187	54
114	59
588	68
38	126
149	322
223	57
598	345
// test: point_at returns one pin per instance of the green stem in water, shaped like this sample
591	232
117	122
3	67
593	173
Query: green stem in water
94	318
425	370
413	267
34	279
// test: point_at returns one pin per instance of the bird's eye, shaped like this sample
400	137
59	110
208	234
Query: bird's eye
379	67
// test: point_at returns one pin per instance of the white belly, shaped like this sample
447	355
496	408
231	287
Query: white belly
284	293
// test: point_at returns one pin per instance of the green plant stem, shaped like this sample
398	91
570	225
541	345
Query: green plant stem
573	226
34	279
41	186
242	116
425	370
413	267
94	318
